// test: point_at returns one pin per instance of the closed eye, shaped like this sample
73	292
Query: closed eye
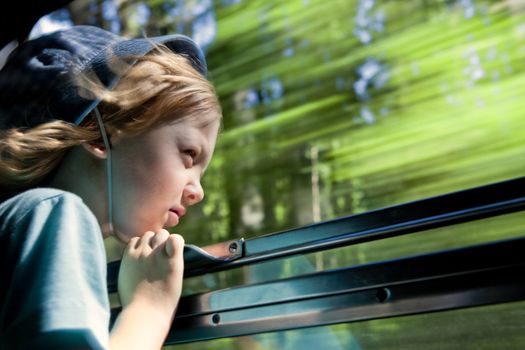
191	155
191	152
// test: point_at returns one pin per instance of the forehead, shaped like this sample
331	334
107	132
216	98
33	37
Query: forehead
193	126
208	125
193	133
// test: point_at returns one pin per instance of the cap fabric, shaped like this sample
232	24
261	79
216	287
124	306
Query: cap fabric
36	84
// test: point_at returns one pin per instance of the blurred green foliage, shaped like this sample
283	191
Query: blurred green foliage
400	100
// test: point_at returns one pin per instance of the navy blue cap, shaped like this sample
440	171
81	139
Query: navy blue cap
36	84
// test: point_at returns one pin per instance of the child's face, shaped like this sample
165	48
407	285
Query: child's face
156	175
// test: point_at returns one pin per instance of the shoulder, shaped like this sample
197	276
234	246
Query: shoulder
41	200
31	198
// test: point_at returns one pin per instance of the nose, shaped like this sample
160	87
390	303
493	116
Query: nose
193	193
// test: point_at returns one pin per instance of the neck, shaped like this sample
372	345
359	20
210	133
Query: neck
83	175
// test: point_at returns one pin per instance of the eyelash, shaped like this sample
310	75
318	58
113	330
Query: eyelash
191	153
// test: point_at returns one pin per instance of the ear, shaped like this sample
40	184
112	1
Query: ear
96	149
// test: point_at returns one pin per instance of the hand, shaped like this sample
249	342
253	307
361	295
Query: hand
151	271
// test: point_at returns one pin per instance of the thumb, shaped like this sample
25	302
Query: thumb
173	244
169	248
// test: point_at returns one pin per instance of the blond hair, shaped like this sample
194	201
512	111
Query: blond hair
161	87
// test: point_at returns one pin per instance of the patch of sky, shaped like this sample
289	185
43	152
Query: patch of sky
204	29
52	22
230	2
176	13
198	15
469	9
142	13
180	26
271	89
110	14
370	74
200	7
474	70
251	99
367	22
365	116
288	52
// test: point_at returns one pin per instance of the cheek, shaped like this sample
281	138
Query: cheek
140	167
144	191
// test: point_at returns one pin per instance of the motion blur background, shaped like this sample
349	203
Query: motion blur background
337	107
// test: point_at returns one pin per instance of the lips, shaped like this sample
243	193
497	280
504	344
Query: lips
174	215
173	219
180	211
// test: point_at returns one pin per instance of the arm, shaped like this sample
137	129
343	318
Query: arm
150	283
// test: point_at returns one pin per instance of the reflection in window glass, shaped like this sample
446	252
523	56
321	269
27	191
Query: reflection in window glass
481	328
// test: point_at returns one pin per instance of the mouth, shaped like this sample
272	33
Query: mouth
174	215
173	218
179	211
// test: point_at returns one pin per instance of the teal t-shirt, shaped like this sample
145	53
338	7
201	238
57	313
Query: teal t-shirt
52	273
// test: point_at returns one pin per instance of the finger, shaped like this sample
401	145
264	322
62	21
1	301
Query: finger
144	241
132	244
174	245
159	238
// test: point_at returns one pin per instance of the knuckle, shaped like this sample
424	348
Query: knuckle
179	240
148	234
162	234
132	244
